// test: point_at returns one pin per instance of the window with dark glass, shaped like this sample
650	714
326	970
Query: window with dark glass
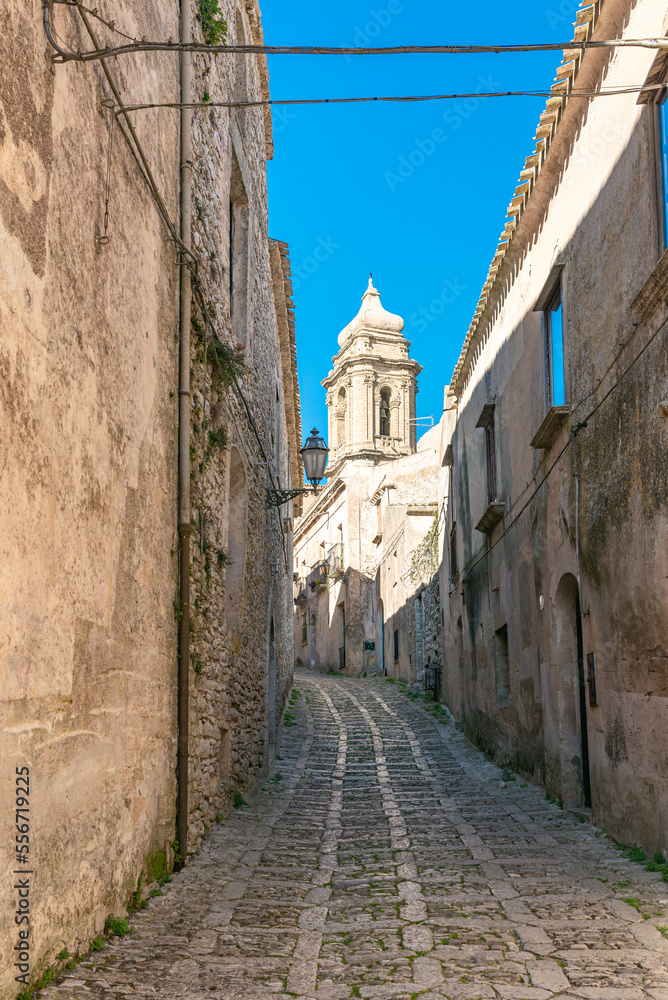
396	645
453	549
553	328
490	452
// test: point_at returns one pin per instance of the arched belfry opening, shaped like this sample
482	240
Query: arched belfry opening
384	412
340	437
372	387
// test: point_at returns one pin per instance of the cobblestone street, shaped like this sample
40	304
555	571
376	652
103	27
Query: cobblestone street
385	857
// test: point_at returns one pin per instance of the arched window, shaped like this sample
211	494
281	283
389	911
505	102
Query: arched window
341	418
384	426
237	540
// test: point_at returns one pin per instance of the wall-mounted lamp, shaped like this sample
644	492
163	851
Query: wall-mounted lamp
314	454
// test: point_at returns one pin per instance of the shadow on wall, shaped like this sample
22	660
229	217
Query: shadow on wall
553	680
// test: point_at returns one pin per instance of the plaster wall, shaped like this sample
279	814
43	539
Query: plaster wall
373	577
595	218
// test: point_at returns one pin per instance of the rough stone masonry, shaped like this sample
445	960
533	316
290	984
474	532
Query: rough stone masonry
385	857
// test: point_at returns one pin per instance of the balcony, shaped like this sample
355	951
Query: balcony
549	430
300	591
318	578
494	513
335	560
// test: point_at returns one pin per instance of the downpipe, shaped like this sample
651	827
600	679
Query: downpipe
185	527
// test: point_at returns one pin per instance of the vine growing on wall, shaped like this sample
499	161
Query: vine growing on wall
214	26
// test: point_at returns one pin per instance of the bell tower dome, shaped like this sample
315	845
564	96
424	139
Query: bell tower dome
372	388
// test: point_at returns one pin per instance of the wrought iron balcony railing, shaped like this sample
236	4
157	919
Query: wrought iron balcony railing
318	577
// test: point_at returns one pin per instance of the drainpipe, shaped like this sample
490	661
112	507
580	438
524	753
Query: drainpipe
185	528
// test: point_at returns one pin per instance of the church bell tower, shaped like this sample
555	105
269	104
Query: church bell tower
372	388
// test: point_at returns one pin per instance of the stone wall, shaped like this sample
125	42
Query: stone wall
88	487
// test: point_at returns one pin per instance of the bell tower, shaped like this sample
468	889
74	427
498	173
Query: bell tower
372	388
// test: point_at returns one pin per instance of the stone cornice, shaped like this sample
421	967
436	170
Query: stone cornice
373	364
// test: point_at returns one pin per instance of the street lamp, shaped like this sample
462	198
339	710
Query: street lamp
314	454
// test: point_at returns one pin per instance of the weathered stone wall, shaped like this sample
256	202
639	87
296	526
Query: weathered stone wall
88	411
88	488
230	679
575	568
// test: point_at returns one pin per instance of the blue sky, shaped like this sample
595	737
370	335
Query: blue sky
416	193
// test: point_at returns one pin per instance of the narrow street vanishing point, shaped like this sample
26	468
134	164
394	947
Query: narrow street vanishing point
385	857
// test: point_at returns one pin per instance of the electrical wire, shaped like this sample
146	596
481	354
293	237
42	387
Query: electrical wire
611	92
579	426
329	50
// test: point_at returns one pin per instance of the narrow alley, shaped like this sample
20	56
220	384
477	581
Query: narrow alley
385	857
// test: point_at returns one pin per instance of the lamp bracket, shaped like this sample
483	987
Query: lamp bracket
276	498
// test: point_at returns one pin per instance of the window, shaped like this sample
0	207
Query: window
486	421
453	549
490	451
662	115
396	645
553	329
384	426
304	628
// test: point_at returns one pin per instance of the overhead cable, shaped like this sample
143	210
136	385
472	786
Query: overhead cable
611	92
322	50
142	45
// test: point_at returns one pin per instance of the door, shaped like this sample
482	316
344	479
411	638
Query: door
571	695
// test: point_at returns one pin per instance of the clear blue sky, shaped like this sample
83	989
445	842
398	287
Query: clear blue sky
366	187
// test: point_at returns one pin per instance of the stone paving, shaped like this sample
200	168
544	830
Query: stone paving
385	857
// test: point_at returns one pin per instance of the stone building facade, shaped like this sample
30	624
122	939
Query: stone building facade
554	573
355	607
89	409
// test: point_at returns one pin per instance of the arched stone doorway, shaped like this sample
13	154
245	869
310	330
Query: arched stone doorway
571	695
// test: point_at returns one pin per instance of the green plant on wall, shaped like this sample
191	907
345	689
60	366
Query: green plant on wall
214	27
228	364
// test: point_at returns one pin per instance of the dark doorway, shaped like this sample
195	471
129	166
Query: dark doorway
572	701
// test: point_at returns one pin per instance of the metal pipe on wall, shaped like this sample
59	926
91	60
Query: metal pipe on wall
185	527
